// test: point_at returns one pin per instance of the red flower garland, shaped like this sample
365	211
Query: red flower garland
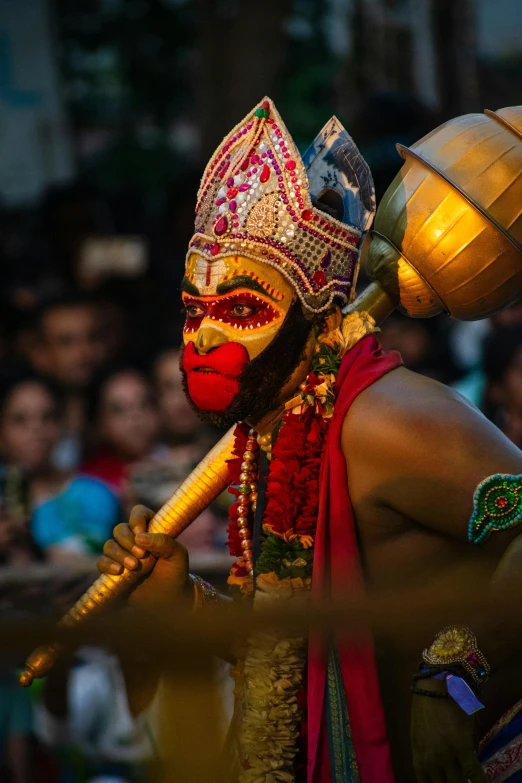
292	482
293	479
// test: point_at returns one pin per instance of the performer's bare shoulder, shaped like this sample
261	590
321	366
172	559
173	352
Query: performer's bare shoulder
415	452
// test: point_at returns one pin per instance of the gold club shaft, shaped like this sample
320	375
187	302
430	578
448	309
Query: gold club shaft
192	497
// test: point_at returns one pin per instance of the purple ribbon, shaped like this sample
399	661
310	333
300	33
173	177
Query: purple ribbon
462	694
459	691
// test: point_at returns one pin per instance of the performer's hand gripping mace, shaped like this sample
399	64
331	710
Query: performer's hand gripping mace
447	238
192	497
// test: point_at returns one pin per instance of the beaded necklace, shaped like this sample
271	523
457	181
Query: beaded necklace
247	498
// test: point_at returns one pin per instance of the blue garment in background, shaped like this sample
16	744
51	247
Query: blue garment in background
81	516
500	753
16	713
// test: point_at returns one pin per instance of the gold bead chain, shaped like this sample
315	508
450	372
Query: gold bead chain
247	497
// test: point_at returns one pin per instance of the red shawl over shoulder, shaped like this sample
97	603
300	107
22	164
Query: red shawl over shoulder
337	573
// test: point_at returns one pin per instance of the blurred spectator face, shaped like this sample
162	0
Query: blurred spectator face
177	417
29	427
128	420
113	330
509	316
508	392
71	349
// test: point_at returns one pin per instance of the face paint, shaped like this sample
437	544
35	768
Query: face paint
260	381
212	378
241	309
234	300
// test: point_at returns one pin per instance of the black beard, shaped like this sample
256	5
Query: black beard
262	379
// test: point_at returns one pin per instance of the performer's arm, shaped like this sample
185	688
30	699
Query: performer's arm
424	450
168	583
421	452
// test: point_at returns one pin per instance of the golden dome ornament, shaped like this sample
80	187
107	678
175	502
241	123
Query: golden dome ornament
447	235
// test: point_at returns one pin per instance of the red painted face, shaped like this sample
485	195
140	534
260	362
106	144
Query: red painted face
213	378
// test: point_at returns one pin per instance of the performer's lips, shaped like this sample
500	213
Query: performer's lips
212	378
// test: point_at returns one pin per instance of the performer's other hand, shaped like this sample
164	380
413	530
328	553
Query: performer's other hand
442	738
132	548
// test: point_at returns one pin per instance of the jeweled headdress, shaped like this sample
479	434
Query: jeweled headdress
256	200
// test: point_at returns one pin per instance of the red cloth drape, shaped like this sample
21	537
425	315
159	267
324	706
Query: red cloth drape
336	574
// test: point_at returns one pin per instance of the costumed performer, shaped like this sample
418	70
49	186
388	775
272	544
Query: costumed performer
349	473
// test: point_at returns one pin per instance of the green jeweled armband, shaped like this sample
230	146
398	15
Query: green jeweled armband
497	505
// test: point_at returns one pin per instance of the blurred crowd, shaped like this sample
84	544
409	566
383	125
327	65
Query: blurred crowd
481	360
93	420
93	414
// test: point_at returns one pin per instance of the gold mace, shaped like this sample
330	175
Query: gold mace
447	238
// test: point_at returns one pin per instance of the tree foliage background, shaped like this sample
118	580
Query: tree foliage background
153	85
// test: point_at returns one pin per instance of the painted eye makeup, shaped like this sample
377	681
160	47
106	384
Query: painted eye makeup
242	310
194	310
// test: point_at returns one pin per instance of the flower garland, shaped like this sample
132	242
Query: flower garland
290	516
272	673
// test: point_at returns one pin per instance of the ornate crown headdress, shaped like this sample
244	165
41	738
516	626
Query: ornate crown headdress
256	200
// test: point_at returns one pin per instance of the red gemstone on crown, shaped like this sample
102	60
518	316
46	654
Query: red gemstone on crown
265	174
290	165
244	187
501	502
221	226
232	192
319	277
244	165
233	206
307	214
265	105
215	249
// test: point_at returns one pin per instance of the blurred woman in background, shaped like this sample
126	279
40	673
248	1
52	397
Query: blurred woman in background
70	514
502	362
125	426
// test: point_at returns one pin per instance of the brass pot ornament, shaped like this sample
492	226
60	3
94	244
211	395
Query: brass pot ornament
447	235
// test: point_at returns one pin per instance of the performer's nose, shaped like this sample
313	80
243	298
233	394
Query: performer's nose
208	338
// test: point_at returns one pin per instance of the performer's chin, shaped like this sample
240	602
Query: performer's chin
211	392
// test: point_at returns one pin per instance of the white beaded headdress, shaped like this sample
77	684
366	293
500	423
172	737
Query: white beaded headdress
256	196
